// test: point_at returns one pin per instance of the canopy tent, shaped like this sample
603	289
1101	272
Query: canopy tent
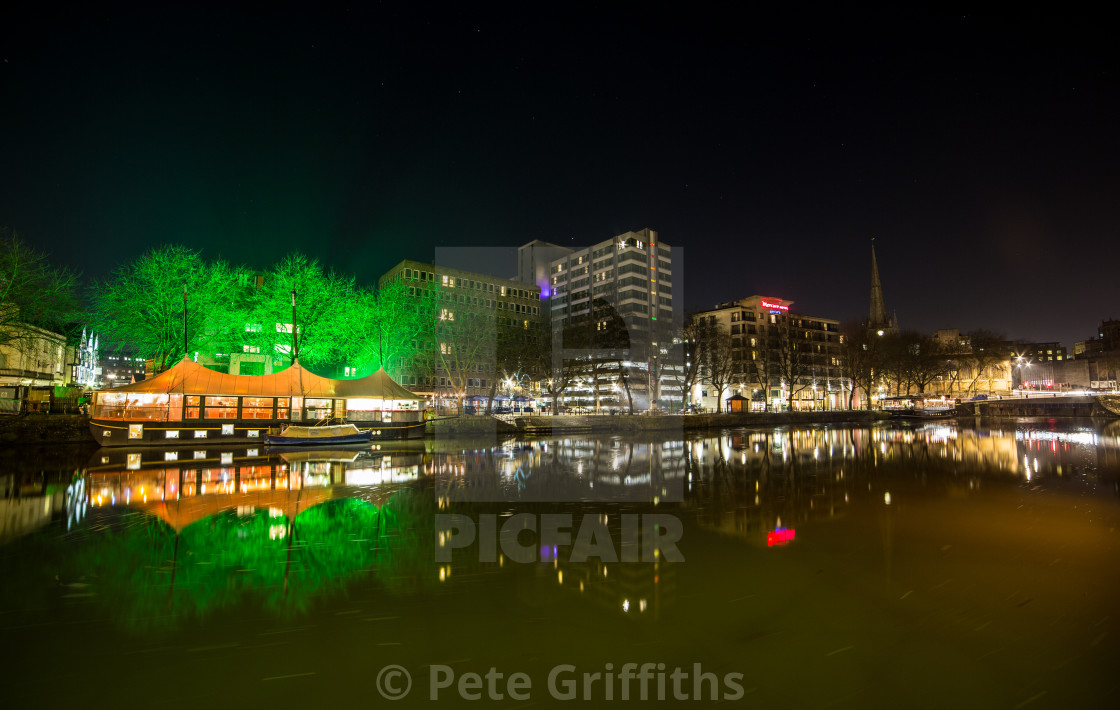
188	377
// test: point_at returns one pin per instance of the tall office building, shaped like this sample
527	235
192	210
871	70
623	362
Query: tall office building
611	306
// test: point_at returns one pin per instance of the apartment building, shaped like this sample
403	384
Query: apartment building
774	352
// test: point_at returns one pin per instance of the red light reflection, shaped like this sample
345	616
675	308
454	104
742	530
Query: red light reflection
780	536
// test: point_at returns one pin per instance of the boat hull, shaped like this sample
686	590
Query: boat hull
281	440
114	432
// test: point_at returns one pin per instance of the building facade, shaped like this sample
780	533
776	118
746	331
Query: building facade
772	356
612	312
472	314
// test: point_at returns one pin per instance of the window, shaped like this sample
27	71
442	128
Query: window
200	433
172	434
135	431
227	430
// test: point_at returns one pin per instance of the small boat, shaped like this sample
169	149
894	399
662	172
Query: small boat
924	413
319	435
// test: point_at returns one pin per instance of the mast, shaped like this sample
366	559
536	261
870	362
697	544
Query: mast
295	341
184	320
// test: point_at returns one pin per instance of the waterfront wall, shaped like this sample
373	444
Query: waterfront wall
1036	406
44	429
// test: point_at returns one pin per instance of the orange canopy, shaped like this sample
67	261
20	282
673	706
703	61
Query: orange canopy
188	377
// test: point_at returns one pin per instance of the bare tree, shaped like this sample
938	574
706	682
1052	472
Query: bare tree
717	359
32	291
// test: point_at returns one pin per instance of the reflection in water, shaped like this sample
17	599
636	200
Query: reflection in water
795	539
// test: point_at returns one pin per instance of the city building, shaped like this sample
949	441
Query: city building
85	361
1046	352
776	357
612	313
534	261
121	367
33	357
471	313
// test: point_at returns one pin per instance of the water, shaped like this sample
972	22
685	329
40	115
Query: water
891	566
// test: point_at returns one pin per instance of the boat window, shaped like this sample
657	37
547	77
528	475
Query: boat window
221	401
257	413
227	430
135	431
221	412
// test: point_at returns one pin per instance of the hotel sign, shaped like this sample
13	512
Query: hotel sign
775	305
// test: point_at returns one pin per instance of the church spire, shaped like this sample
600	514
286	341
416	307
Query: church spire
878	306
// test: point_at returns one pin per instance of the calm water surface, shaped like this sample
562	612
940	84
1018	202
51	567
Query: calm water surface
891	566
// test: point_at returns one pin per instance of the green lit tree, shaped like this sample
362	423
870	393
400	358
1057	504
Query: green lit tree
33	293
330	313
142	304
395	321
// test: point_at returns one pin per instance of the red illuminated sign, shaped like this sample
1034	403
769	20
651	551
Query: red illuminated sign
774	306
780	536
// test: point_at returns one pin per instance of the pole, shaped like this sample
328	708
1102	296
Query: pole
295	341
184	320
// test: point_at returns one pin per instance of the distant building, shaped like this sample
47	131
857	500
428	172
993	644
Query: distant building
121	367
85	361
33	357
878	321
1047	352
762	331
534	261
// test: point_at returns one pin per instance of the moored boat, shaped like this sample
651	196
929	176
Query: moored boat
327	434
189	403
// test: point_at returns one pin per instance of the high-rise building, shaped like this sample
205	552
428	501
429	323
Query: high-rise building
611	306
534	261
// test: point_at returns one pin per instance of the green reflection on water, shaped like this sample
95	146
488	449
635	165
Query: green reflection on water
132	568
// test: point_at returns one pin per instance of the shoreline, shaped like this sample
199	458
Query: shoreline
49	429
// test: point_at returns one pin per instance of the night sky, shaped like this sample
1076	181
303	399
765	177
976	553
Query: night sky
981	152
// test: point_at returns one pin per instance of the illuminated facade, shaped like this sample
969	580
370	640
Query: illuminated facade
470	312
33	357
622	283
761	327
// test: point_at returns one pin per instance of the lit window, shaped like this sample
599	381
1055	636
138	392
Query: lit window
227	430
173	434
200	434
254	433
171	456
135	431
200	454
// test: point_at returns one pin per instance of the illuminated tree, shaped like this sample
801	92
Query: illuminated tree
32	291
717	362
987	352
330	312
862	359
396	320
142	303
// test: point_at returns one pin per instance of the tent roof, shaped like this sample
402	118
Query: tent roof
188	377
379	384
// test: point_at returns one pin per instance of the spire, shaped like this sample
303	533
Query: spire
878	307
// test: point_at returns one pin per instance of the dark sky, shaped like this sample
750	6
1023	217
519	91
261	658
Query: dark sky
981	152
